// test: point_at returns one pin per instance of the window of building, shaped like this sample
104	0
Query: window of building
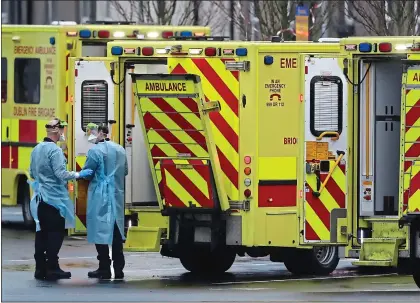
27	80
94	102
326	103
3	80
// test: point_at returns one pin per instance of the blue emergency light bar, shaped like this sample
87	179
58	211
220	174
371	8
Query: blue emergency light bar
241	52
116	50
365	47
186	34
85	33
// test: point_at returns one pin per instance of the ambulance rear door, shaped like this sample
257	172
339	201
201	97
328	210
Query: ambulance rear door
93	102
325	150
410	138
138	194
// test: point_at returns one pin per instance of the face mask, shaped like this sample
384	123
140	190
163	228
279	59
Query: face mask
92	139
62	138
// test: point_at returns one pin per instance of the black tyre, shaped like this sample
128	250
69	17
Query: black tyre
202	261
24	199
320	261
416	277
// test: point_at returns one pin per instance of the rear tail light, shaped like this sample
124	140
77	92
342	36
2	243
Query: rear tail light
247	193
247	159
247	171
247	182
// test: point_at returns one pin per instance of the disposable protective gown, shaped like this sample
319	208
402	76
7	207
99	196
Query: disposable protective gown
105	205
48	169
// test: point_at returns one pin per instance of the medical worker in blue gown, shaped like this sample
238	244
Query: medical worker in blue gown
51	207
105	207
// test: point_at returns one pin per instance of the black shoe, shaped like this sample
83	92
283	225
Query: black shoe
100	274
40	274
119	274
56	273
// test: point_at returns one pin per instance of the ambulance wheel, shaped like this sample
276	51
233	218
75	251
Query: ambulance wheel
202	261
23	197
320	261
324	260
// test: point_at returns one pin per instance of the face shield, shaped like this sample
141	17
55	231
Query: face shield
92	132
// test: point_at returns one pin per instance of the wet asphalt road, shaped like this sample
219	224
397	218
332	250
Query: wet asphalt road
151	277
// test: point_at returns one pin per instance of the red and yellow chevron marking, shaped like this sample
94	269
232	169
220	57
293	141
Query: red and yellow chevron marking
173	127
221	85
318	210
80	205
411	181
178	187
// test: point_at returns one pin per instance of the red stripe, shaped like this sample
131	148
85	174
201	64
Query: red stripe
414	150
225	129
228	168
186	182
234	73
319	208
67	93
218	84
156	152
191	104
78	168
67	62
343	168
180	121
15	157
152	123
27	131
412	116
335	191
171	199
310	234
407	91
5	157
407	165
414	184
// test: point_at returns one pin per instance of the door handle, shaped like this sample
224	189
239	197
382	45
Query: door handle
336	135
7	132
130	126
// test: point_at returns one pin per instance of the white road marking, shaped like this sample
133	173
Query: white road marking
299	279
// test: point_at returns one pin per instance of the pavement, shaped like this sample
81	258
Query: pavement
151	277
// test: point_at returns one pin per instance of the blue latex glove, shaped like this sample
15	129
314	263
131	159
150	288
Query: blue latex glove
85	173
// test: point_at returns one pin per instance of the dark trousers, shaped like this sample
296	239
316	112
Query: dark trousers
49	239
117	252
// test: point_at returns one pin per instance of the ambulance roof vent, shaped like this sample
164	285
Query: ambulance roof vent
61	22
329	40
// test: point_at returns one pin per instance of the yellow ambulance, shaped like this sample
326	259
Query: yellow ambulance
34	73
291	150
240	187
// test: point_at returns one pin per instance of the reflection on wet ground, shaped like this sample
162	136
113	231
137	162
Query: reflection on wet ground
151	277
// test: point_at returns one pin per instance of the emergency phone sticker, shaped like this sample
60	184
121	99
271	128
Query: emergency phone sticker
275	89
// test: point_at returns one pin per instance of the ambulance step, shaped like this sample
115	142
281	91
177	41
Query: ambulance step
379	252
373	263
143	239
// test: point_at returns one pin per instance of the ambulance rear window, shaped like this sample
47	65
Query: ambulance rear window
94	102
3	80
27	80
326	102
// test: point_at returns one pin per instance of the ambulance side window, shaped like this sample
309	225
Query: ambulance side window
27	80
94	102
3	80
326	104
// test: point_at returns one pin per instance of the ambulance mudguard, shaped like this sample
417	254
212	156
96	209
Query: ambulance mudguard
182	155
